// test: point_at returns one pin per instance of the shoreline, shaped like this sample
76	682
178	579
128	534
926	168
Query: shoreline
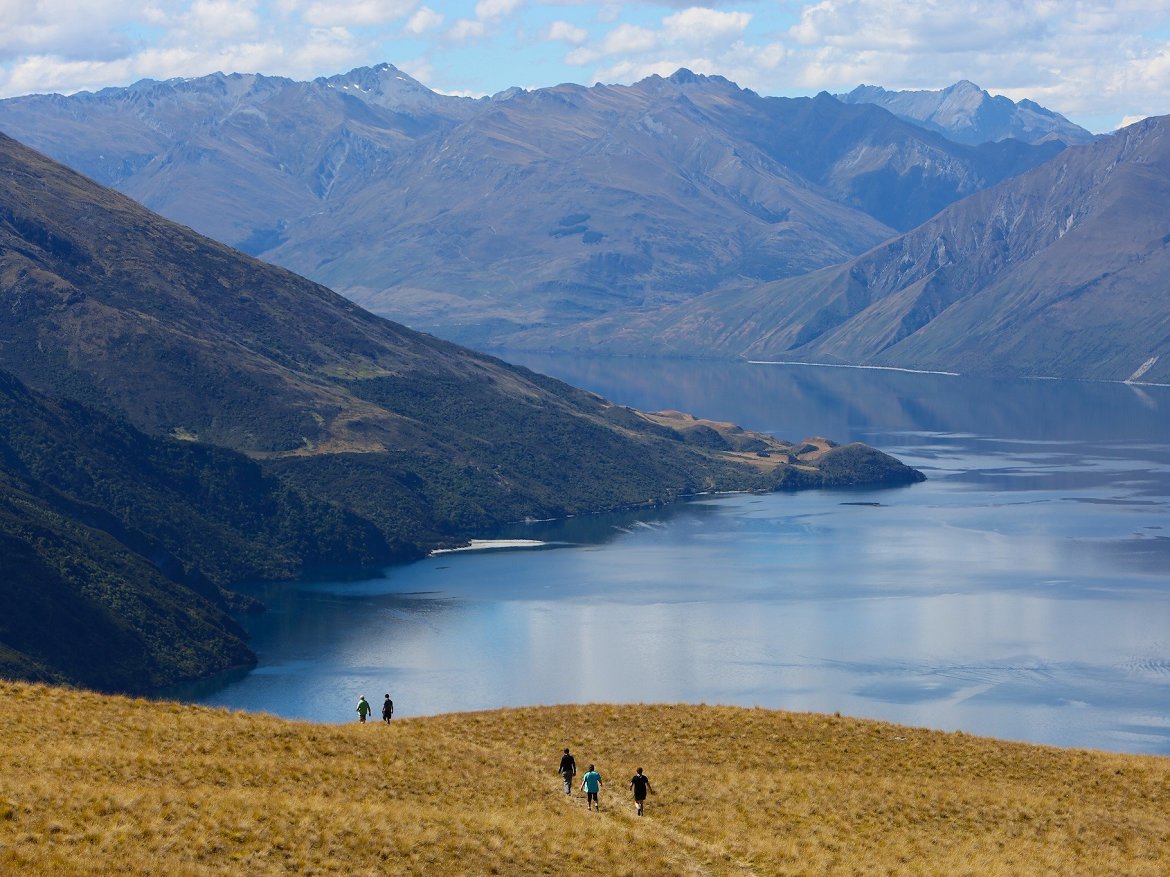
883	368
492	545
1127	382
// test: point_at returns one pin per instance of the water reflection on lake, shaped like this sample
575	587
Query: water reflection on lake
1023	591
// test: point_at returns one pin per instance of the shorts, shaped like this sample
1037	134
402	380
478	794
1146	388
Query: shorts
590	796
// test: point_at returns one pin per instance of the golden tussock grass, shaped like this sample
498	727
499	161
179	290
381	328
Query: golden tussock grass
105	785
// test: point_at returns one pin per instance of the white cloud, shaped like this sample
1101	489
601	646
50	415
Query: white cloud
465	30
609	13
488	15
582	56
563	31
698	25
913	25
629	38
84	32
491	10
1130	120
323	49
356	13
221	20
50	74
625	39
424	19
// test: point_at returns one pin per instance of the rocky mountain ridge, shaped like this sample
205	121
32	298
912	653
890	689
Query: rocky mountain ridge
966	113
1058	272
503	220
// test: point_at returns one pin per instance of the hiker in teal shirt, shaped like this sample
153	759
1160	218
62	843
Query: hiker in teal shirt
363	708
591	784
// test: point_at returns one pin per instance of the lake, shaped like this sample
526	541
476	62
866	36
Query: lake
1021	592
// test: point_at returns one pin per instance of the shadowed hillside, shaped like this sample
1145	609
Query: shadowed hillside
97	785
116	546
115	307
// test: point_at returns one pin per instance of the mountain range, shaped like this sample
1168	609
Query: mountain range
1059	272
506	220
177	417
966	113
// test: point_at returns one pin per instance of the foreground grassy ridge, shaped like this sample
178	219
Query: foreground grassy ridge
98	785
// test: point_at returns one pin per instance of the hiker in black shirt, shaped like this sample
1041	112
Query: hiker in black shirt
568	770
640	783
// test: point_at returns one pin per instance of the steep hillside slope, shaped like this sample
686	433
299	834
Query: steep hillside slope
113	306
116	546
1059	273
526	211
966	113
81	607
85	596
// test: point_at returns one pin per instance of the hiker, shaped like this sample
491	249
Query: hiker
591	785
640	783
363	708
387	709
568	770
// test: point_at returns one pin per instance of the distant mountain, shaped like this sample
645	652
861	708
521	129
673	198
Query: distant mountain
523	213
235	156
146	361
1060	272
966	113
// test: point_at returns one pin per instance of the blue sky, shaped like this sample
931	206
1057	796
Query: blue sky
1102	63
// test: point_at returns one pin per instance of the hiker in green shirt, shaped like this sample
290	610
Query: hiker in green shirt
363	708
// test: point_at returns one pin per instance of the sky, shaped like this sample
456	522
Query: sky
1102	63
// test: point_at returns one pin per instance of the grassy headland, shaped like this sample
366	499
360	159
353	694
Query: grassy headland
93	784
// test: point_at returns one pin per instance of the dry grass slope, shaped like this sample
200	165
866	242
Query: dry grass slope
103	785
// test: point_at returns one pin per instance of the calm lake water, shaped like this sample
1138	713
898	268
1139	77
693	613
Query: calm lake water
1022	592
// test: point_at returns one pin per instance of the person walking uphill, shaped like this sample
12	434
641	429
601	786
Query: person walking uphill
568	770
363	708
640	783
387	709
591	784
